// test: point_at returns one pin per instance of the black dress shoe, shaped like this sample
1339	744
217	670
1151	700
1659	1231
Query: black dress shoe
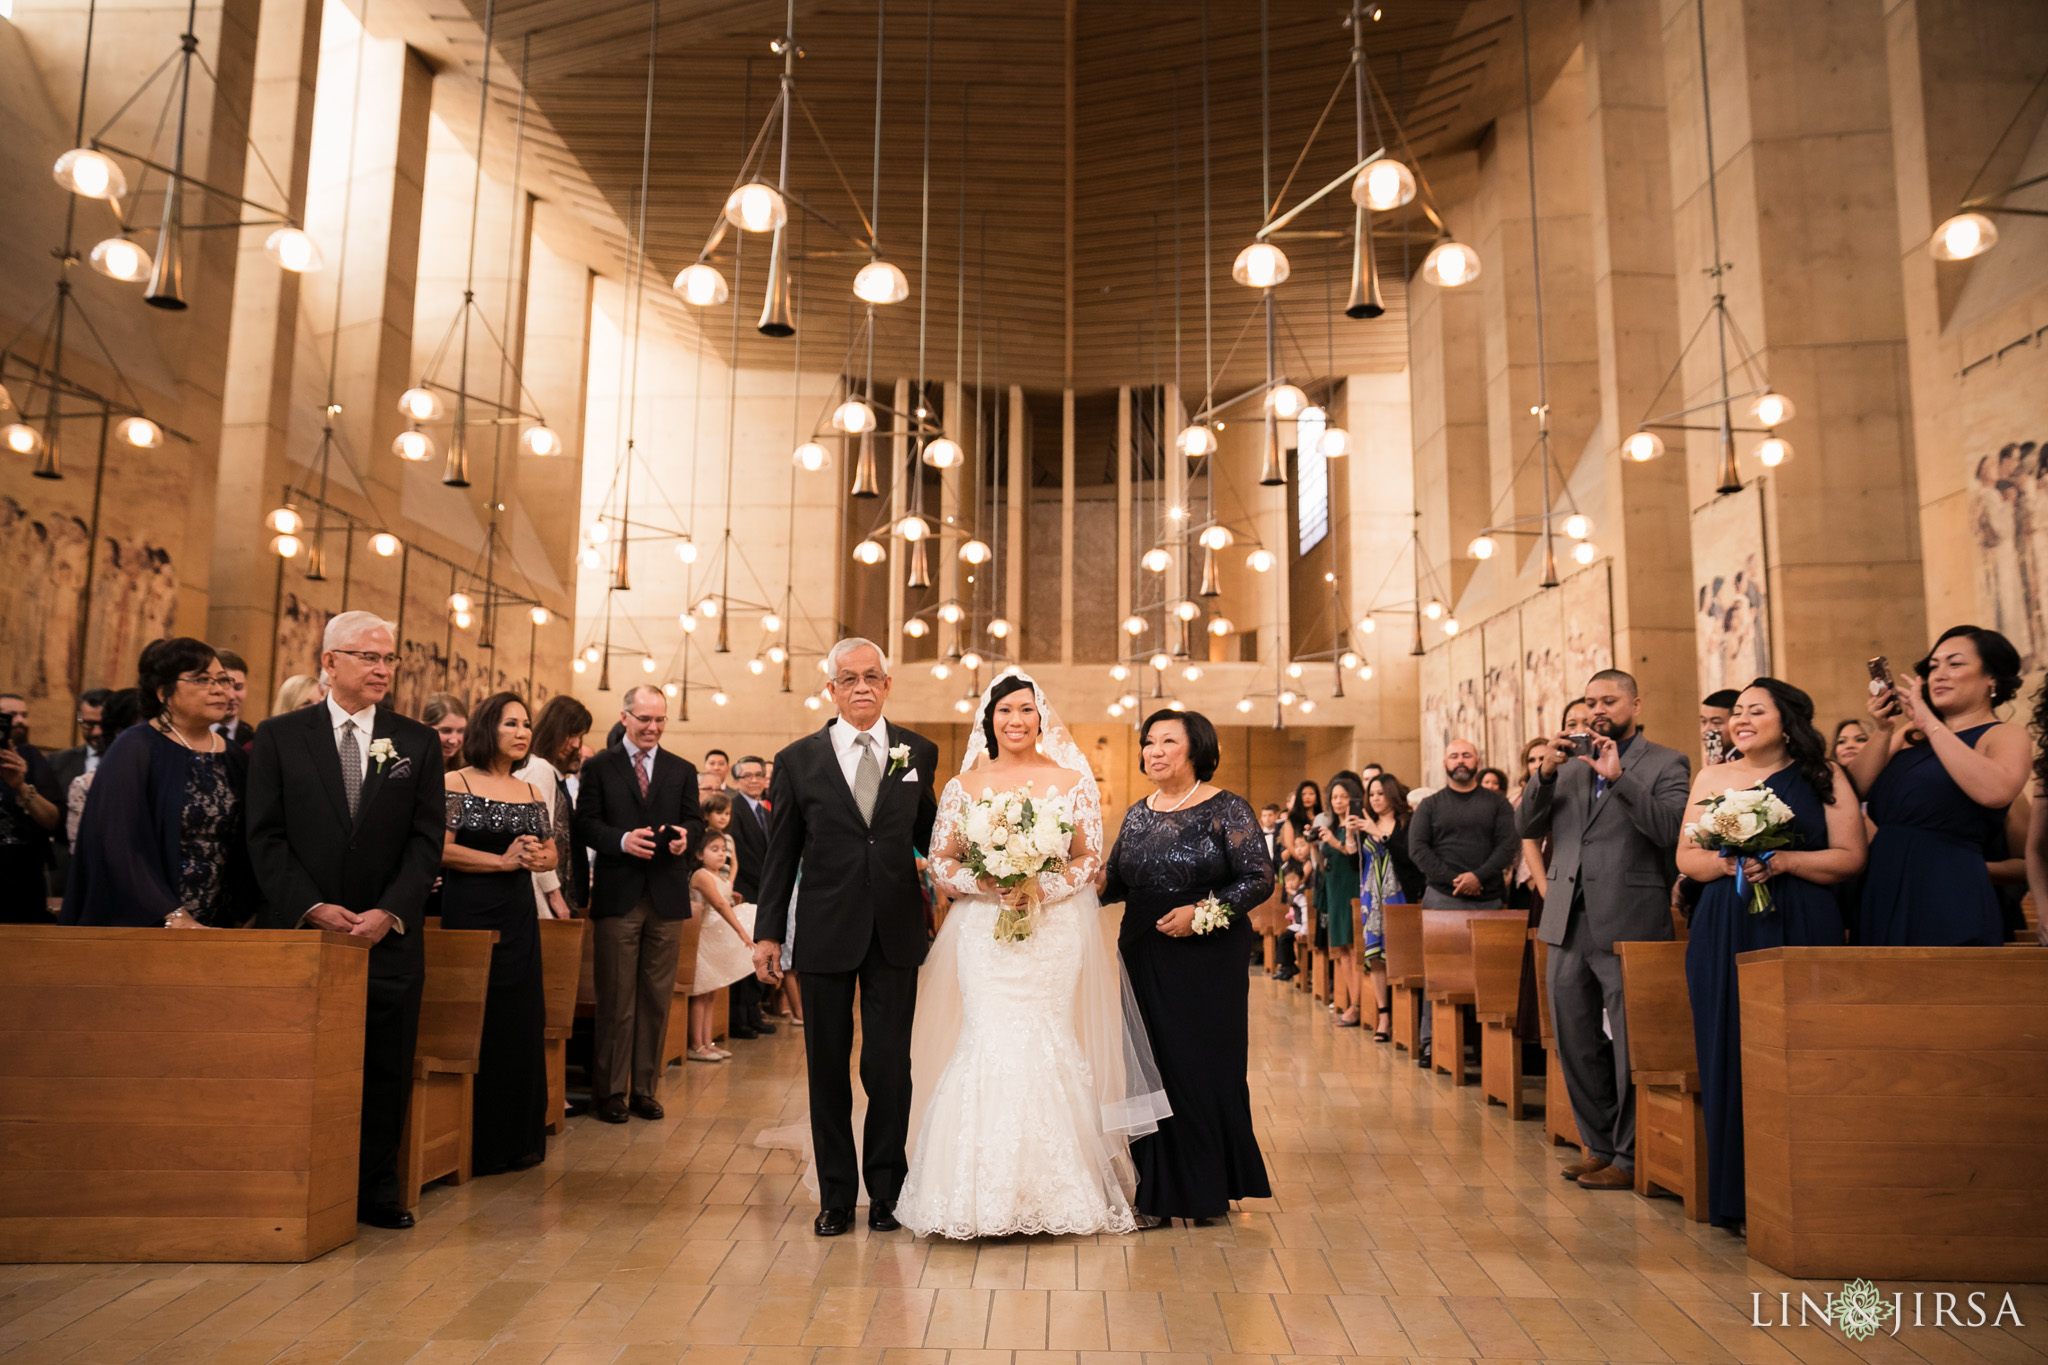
763	1026
645	1108
612	1109
742	1033
882	1217
832	1222
384	1216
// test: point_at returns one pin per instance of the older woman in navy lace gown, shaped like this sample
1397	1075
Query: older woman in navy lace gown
1188	841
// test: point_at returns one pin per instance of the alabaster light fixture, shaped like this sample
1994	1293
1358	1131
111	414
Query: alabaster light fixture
755	207
943	453
1585	552
1643	446
880	282
414	445
1335	443
1286	401
384	544
122	258
1156	560
139	432
1135	625
1260	560
1962	237
90	174
976	552
291	249
701	285
1772	409
420	404
1450	264
21	438
869	551
1482	547
285	520
951	612
1220	626
853	417
811	457
1197	441
539	439
998	628
686	550
1260	266
913	528
1383	185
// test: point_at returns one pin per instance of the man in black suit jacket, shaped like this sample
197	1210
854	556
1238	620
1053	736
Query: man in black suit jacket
639	897
748	829
234	729
853	806
347	815
68	765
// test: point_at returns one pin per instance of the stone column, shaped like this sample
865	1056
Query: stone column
1449	424
257	398
1066	526
1643	523
1809	225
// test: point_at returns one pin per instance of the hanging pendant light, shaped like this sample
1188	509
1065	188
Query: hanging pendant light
292	249
916	628
881	282
1260	560
1957	239
920	572
913	528
1450	264
90	174
167	273
854	417
1272	470
1772	409
455	474
998	628
865	483
1773	451
776	320
21	439
976	551
1383	185
540	440
811	457
420	404
943	453
869	551
1212	583
122	258
1643	447
384	545
1260	266
700	285
1287	401
1334	443
1156	559
139	432
1196	441
755	207
1366	300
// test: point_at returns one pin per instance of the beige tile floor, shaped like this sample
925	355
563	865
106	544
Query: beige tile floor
1408	1220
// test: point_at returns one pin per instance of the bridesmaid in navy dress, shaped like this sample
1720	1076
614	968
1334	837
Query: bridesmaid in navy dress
1186	841
1938	775
1772	727
500	833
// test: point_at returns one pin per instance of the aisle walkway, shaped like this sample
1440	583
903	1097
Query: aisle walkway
1408	1221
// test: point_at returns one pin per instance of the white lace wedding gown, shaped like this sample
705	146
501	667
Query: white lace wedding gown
1018	1133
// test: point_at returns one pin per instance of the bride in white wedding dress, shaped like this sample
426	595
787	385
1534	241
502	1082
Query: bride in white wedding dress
1030	1071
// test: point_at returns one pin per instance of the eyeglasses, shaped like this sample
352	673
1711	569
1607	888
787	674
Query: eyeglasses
851	680
370	657
645	720
215	680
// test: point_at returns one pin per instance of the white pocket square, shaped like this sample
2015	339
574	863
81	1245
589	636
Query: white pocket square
910	776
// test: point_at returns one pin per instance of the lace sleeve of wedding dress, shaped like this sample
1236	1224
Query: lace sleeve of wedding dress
948	844
1084	851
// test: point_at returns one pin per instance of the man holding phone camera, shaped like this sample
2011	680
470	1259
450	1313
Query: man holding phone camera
1612	802
30	808
637	808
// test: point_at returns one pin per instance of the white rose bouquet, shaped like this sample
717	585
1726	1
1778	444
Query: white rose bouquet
1013	838
1742	824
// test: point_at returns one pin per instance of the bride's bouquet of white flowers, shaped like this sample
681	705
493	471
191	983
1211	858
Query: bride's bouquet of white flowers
1013	838
1742	824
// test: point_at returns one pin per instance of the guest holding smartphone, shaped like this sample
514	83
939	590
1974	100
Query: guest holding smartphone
1339	885
1939	772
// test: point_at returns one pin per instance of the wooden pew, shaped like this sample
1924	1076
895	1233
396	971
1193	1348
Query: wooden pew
676	1042
561	957
1671	1123
1402	935
436	1145
179	1095
1560	1125
1892	1112
1496	999
1447	980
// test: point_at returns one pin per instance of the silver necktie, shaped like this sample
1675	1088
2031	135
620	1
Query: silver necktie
351	767
867	778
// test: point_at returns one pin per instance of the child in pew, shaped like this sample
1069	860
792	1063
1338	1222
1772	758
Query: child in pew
1295	898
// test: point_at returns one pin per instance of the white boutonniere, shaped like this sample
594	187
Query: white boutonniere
382	751
899	759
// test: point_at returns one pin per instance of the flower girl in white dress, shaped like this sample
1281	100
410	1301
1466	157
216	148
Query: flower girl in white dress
1029	1071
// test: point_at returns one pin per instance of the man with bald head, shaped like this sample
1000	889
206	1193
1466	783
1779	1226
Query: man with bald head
636	808
1463	837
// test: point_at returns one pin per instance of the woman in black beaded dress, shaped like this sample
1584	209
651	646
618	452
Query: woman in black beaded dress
499	834
1186	842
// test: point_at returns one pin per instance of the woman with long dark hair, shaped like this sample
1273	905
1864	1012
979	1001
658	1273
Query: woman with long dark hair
1938	773
1338	886
500	832
1308	804
1772	728
1390	877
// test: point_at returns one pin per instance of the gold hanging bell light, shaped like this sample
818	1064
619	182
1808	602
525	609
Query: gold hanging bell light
1272	470
866	484
1212	583
1365	301
920	571
775	312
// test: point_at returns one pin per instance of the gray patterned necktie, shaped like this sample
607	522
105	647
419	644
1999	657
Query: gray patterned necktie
351	767
867	778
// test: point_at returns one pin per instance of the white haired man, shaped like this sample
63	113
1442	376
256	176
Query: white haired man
346	820
852	804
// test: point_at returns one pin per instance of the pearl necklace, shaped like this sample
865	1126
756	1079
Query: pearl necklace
165	727
1176	805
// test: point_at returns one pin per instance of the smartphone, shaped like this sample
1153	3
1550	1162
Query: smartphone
1715	745
1582	745
1882	682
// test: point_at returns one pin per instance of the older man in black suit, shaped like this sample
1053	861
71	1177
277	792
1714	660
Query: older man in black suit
853	806
748	830
347	815
636	809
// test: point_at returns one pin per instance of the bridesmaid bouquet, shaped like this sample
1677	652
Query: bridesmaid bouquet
1747	823
1211	914
1012	839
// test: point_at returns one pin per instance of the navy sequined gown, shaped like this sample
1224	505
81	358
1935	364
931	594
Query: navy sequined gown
1192	994
1927	885
1803	914
509	1117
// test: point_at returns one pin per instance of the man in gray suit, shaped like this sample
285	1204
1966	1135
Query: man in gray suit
1613	817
